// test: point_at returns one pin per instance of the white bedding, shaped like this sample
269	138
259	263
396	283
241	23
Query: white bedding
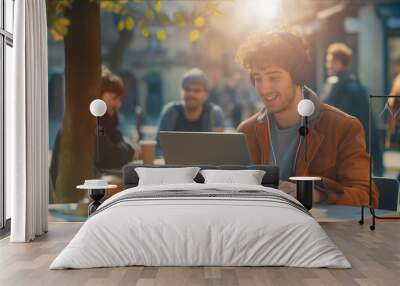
182	231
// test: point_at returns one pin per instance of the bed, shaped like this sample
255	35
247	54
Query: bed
198	224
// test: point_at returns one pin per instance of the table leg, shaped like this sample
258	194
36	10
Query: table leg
96	195
304	190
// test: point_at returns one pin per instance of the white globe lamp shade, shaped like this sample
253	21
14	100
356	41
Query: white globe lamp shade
305	107
98	107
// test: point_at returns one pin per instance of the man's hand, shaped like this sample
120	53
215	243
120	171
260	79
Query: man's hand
316	196
290	189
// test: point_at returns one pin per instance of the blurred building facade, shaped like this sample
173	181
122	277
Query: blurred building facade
370	28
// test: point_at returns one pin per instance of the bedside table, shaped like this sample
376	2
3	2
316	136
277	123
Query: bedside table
96	193
304	190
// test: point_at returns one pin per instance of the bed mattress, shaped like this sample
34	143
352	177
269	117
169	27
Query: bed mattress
201	225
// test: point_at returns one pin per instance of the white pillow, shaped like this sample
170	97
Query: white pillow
162	176
248	177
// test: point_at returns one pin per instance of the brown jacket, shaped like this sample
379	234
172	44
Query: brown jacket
336	152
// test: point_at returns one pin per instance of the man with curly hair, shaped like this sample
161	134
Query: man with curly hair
279	65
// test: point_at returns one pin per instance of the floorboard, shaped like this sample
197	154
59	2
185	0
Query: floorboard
374	255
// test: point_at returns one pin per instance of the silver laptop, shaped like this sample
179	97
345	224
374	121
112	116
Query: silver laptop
204	148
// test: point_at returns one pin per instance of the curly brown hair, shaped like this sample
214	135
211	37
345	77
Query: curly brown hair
281	48
111	82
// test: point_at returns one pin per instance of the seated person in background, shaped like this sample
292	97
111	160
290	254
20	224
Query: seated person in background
277	62
194	113
114	151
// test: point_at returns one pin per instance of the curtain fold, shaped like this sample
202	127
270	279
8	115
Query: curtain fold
27	124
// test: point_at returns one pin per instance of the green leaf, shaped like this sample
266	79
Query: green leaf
129	23
164	19
217	13
121	25
144	30
56	35
61	26
62	4
199	21
161	35
158	5
111	6
150	15
107	5
137	1
64	21
117	8
62	30
179	19
194	36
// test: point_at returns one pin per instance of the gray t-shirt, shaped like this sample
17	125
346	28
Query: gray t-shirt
284	143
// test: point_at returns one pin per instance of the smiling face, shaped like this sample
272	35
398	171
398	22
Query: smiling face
275	87
194	95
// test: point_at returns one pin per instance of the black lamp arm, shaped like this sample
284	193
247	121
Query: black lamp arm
303	131
99	133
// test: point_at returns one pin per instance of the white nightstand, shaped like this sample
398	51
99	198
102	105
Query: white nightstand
304	190
96	193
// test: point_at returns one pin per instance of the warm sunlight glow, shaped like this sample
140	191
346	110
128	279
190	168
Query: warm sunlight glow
264	9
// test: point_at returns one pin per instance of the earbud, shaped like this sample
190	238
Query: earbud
305	108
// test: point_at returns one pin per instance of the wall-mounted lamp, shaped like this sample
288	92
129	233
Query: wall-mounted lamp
98	108
305	185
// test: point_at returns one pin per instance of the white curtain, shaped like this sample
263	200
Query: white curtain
27	124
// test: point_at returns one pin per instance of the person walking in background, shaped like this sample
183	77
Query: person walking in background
194	112
345	92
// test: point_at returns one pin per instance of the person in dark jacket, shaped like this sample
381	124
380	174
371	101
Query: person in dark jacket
344	91
114	152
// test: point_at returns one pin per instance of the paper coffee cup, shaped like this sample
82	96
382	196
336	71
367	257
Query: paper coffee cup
148	148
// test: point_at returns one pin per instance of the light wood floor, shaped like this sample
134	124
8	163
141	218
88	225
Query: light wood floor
375	257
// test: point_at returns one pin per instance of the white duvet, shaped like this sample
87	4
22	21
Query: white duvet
200	231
